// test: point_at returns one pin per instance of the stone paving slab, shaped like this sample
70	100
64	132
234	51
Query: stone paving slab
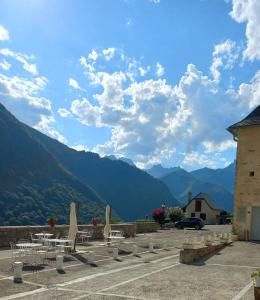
7	287
148	277
239	253
188	282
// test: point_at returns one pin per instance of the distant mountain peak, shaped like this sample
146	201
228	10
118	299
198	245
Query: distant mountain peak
159	171
124	159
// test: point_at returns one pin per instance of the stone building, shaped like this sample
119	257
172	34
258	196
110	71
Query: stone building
246	220
203	207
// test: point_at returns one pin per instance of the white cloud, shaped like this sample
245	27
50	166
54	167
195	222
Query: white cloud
248	11
80	147
4	34
22	58
93	55
87	113
220	147
225	56
5	65
22	95
198	160
109	53
150	119
63	112
155	1
73	83
143	71
46	126
249	93
159	69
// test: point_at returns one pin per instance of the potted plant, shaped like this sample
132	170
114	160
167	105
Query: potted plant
52	221
256	276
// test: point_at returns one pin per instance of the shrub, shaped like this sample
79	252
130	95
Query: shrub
176	214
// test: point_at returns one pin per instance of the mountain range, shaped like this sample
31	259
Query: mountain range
219	183
40	176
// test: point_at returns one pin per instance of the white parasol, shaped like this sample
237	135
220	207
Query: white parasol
107	228
73	224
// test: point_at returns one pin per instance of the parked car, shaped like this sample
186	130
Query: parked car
196	223
228	220
169	224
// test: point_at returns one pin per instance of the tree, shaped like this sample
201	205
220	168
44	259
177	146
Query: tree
159	215
176	214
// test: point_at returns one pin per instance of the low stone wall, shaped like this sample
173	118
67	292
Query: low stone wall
143	227
188	256
14	233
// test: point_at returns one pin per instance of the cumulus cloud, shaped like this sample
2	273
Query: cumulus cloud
249	93
5	65
150	120
46	126
22	58
63	112
74	84
220	147
198	160
4	34
159	69
248	11
224	55
109	53
22	95
80	147
143	71
93	55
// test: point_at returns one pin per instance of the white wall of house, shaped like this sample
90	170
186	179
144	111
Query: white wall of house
212	215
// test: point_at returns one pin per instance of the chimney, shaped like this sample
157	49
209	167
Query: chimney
189	196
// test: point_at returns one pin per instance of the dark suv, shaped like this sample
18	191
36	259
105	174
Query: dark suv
190	223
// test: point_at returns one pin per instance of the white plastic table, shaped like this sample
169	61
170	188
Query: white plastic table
115	231
43	234
59	241
28	245
115	239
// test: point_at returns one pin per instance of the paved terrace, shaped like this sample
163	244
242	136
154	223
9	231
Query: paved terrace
148	276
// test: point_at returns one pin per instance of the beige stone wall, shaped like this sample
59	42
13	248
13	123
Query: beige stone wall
142	227
211	214
188	256
14	233
247	188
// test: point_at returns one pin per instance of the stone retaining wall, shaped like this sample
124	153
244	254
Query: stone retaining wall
142	227
14	233
188	256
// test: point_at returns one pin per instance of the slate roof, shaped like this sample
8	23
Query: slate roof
253	119
207	198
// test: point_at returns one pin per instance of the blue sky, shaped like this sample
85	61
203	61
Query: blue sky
157	81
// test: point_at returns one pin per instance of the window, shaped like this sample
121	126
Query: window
192	215
198	205
251	173
203	216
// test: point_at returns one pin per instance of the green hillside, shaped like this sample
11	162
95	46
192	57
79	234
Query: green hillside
33	185
131	191
40	177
